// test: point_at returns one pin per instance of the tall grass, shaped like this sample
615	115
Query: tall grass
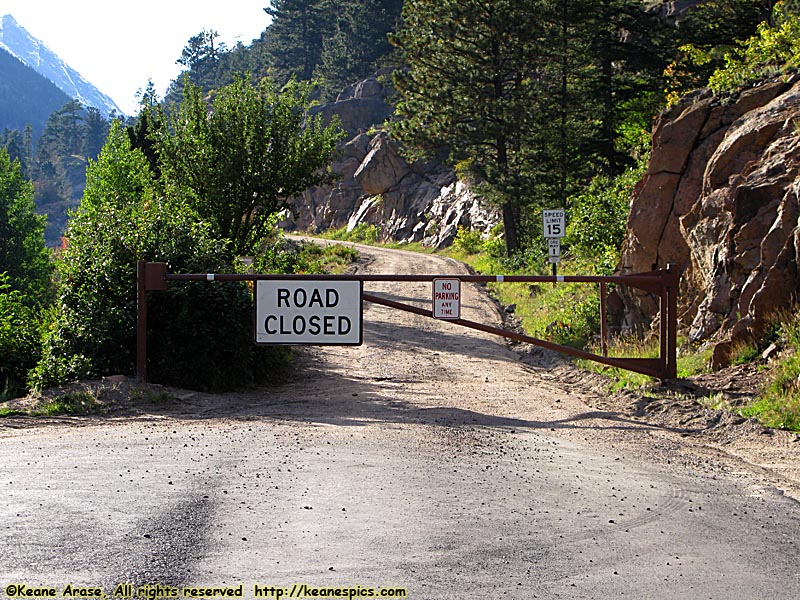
779	404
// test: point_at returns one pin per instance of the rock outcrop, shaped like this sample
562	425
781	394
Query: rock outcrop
721	201
376	185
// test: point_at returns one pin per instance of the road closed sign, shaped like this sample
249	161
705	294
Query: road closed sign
309	312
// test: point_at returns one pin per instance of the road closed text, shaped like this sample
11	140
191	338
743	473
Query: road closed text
308	312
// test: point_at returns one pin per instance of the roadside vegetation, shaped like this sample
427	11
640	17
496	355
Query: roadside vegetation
200	181
162	190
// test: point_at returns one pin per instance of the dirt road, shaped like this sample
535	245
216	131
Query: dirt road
431	458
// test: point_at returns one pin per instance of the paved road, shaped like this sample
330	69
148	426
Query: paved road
431	458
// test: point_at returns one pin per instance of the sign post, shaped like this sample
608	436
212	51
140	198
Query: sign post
554	227
309	312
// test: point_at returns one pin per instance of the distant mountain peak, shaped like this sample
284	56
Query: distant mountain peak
32	52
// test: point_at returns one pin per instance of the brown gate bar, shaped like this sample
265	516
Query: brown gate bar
662	283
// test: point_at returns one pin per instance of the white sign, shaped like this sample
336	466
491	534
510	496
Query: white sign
554	223
554	250
447	298
308	312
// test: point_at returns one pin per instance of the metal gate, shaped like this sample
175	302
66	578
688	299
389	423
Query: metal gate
662	283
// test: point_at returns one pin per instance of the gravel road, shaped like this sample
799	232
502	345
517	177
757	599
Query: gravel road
431	458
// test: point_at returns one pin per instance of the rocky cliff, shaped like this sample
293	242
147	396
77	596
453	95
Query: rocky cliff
375	185
721	201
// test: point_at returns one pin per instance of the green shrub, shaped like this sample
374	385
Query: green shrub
19	340
779	404
598	218
288	256
23	255
569	314
469	241
772	50
199	334
363	233
70	403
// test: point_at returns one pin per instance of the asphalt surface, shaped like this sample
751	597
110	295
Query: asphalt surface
430	459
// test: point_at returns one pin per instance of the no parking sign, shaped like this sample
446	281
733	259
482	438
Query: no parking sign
447	298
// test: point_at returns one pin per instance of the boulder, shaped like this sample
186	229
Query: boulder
375	184
359	107
383	168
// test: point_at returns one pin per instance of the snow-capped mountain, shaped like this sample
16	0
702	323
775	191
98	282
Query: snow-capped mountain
15	40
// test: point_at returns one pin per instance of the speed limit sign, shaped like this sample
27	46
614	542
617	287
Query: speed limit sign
554	223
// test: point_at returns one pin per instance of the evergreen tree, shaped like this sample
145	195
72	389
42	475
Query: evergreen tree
532	96
23	255
293	41
610	57
357	44
149	121
19	146
201	56
706	33
95	132
475	85
334	42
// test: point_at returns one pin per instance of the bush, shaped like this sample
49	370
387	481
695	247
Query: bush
598	218
287	256
772	50
468	241
200	334
23	255
19	340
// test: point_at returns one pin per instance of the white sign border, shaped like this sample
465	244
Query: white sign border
433	297
319	282
559	215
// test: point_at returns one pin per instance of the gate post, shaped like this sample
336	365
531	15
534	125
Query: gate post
669	321
141	321
149	276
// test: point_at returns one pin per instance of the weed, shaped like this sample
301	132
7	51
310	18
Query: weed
11	412
70	403
150	395
629	347
693	361
778	411
715	402
468	240
743	352
363	233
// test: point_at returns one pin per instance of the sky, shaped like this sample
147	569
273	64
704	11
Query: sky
119	45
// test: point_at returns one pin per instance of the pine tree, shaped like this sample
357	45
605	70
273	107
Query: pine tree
293	42
23	255
531	96
201	55
357	44
707	32
474	85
